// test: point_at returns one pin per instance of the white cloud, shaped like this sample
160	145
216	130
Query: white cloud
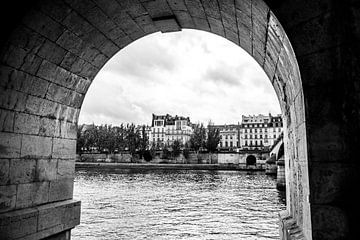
190	73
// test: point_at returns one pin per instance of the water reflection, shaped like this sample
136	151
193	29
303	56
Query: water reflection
167	204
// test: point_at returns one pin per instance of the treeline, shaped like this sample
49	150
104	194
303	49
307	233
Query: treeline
111	139
134	139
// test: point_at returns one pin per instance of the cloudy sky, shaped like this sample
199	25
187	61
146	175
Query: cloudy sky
189	73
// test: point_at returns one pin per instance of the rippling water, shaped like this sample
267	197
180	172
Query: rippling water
158	204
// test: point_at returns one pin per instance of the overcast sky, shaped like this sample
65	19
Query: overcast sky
188	73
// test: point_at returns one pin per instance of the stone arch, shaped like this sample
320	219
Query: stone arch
250	160
51	51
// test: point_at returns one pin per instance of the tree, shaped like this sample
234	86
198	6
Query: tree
80	143
132	139
176	148
144	141
198	137
213	138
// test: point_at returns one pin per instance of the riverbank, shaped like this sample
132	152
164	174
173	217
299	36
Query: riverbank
170	166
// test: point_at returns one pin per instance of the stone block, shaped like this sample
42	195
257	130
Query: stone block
196	10
66	168
49	127
216	26
10	144
4	171
46	170
57	10
232	36
38	87
22	170
16	79
78	65
177	5
69	61
32	194
201	24
39	222
5	75
6	120
43	25
64	148
158	8
70	42
12	100
36	146
57	217
76	99
50	217
185	20
59	94
61	189
69	114
7	198
14	56
31	63
259	10
212	9
68	130
18	224
50	109
26	123
27	39
52	52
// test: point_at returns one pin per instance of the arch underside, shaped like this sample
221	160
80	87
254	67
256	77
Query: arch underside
51	58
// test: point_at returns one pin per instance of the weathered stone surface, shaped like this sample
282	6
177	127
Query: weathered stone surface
12	100
32	194
61	189
64	148
46	170
6	120
68	130
37	222
22	170
43	25
4	171
36	146
52	52
7	198
66	168
26	123
10	144
49	127
76	38
18	224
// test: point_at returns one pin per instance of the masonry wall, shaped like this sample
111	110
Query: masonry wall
51	51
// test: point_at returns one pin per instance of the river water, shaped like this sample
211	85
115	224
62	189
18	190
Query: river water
169	204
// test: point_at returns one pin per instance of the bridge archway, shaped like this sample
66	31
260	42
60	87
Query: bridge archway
250	160
50	57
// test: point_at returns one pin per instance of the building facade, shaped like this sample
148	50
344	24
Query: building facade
255	132
165	129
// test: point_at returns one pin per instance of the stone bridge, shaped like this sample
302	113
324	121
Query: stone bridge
51	50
